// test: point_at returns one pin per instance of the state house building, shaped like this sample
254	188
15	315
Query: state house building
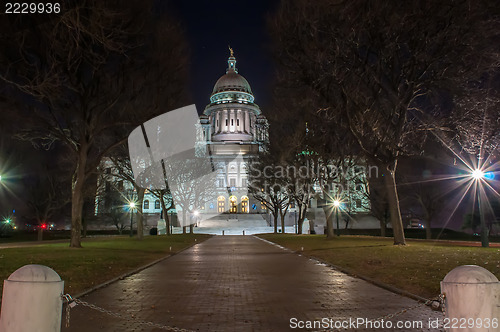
232	128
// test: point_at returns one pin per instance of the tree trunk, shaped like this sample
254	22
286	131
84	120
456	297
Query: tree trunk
383	231
167	222
40	233
394	211
191	228
282	217
428	229
300	224
165	213
77	197
329	222
140	215
275	217
184	228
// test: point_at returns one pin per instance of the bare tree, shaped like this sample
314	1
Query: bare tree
192	185
45	196
166	203
92	73
268	184
376	64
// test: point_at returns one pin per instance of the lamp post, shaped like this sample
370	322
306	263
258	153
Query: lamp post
171	222
336	204
296	226
478	175
196	213
132	207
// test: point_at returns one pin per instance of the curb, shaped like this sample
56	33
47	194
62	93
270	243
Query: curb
352	274
132	272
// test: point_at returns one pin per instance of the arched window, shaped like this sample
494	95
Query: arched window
234	202
244	204
157	204
146	204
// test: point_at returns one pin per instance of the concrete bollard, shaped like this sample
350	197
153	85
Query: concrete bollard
472	295
32	300
222	232
243	232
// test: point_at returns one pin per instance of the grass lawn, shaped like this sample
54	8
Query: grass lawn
98	260
417	267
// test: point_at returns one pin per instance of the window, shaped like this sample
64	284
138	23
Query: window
237	122
262	206
157	204
244	204
244	182
227	122
221	204
232	182
221	183
146	204
234	203
232	122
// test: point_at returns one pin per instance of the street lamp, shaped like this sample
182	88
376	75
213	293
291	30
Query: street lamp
478	175
196	213
336	205
132	207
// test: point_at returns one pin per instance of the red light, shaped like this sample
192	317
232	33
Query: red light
44	226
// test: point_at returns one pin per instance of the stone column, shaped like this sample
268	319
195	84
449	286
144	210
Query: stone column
238	118
243	118
226	120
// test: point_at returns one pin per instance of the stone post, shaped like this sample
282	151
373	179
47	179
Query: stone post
472	299
32	300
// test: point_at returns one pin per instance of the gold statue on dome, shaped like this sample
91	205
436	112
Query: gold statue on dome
231	51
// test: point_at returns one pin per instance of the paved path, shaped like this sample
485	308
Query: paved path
239	283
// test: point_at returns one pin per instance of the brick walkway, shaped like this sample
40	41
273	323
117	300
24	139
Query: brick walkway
239	283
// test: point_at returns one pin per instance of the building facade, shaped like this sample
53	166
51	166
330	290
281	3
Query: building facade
232	129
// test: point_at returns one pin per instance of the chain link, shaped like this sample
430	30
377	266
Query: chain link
73	302
439	299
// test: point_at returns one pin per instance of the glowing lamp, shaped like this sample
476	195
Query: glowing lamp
477	174
336	203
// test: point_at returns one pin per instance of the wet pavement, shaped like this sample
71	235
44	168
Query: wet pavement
243	283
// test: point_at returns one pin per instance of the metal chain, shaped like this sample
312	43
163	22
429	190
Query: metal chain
439	299
73	302
442	302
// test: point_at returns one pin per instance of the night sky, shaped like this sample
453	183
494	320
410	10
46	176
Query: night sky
213	25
